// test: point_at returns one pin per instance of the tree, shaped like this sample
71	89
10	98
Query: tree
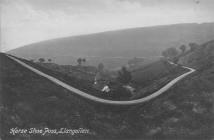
170	53
124	76
49	60
193	46
41	60
100	67
32	60
79	61
182	48
134	61
83	60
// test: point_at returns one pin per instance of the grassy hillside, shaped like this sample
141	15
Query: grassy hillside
76	80
146	74
150	78
202	57
146	79
86	73
116	47
30	101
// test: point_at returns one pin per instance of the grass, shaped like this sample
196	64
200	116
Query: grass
86	73
27	101
83	84
146	75
154	76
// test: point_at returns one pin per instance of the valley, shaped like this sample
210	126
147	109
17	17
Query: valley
173	97
185	110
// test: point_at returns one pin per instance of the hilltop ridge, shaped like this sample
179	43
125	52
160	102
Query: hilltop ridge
116	47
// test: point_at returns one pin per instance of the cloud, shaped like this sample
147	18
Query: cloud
64	5
28	21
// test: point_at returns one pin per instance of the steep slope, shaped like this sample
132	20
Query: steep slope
31	101
117	45
187	110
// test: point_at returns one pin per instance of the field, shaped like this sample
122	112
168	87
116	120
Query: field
152	77
82	84
86	73
146	79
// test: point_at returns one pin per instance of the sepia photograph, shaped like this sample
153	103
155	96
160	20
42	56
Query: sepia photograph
106	69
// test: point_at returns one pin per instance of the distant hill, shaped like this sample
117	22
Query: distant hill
117	47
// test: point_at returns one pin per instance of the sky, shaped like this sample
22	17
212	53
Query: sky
28	21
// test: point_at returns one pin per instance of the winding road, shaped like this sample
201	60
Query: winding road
105	101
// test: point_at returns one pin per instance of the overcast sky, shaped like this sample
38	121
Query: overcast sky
28	21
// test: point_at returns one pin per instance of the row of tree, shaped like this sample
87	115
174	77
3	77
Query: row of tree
124	76
42	60
173	52
80	61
